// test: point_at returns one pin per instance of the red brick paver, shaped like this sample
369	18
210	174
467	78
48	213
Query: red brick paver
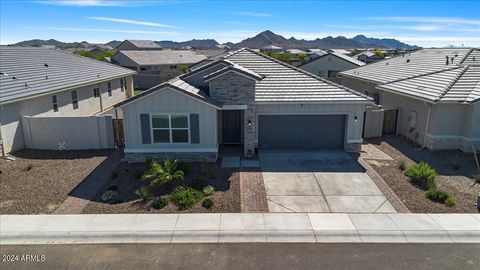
253	196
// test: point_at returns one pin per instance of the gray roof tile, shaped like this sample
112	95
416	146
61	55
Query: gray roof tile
163	57
31	71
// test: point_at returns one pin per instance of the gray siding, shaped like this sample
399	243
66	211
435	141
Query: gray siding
169	101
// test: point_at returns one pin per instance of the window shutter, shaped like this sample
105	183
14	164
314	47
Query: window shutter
145	128
194	129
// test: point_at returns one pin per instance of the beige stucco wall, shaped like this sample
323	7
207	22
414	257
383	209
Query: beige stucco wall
364	87
354	129
167	101
10	114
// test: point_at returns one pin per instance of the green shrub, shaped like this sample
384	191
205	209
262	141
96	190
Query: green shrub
185	197
198	183
208	190
450	201
163	173
402	165
143	192
110	196
436	195
159	203
422	175
207	203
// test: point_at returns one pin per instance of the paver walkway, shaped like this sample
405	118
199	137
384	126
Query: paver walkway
88	188
253	197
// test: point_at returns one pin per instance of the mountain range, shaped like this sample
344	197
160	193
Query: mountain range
261	40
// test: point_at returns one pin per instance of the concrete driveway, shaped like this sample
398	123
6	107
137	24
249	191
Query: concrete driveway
303	181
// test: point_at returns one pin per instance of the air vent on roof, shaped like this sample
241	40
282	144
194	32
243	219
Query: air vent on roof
46	77
408	60
14	77
473	59
46	65
386	64
446	58
26	85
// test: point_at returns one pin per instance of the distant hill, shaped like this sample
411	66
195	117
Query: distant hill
196	43
267	37
261	40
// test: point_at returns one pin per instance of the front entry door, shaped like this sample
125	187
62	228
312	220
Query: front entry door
390	122
231	127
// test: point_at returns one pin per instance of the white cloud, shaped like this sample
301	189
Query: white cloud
110	30
93	3
407	19
127	21
254	14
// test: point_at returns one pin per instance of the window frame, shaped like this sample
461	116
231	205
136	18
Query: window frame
96	92
55	103
75	103
109	89
170	128
122	84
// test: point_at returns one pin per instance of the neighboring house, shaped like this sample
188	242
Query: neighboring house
368	57
45	82
330	65
429	96
339	51
212	54
155	66
138	45
247	99
272	49
295	52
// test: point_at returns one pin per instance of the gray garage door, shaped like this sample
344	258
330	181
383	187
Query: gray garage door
324	132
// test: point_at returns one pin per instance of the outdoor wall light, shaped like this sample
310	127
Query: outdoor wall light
249	122
355	118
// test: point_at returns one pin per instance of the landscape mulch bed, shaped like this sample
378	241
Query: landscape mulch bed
37	182
226	197
455	169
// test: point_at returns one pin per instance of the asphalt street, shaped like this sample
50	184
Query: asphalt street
243	256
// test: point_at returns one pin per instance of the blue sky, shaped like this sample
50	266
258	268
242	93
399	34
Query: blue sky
428	23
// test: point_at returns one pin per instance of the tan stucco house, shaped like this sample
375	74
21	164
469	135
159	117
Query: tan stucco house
430	96
248	99
44	82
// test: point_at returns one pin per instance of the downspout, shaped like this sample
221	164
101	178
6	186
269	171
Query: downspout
427	126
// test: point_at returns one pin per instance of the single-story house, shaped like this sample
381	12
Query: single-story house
272	49
329	65
247	99
368	57
155	66
37	81
138	45
429	96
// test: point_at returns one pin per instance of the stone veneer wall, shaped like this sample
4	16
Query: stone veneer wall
234	89
181	156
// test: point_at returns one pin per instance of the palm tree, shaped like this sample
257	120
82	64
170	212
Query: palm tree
163	174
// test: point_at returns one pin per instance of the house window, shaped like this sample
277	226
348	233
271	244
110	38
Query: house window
122	84
109	89
170	128
54	103
74	100
96	92
142	68
173	67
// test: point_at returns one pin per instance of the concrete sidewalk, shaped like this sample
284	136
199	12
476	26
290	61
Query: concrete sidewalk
237	228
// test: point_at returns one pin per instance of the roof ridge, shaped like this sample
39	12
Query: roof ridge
465	56
422	74
452	83
306	73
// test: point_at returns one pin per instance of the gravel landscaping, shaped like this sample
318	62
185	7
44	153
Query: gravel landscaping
126	180
37	182
455	175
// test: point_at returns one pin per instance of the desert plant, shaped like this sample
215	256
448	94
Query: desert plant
143	193
207	203
450	201
402	165
110	196
436	195
422	175
159	203
197	183
208	190
163	174
185	197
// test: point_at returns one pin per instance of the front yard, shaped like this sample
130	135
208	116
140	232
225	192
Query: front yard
37	182
455	175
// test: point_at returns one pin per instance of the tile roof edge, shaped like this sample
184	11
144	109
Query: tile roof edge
421	75
465	56
219	72
452	83
306	73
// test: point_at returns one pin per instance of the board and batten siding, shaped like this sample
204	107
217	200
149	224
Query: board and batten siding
354	129
169	101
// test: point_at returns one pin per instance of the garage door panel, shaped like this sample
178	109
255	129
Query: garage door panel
301	132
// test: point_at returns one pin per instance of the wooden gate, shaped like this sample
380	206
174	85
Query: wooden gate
390	122
118	131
